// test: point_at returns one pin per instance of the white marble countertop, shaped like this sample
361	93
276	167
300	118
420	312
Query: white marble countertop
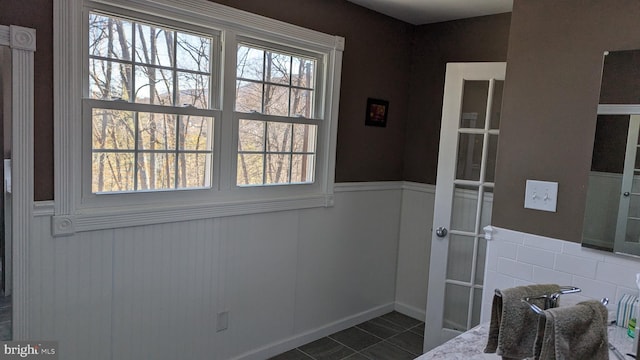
470	345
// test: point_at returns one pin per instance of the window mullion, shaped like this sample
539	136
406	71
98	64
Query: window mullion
135	150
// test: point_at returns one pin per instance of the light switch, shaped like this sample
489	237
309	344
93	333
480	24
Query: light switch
541	195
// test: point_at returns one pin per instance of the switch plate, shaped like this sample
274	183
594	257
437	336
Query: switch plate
541	195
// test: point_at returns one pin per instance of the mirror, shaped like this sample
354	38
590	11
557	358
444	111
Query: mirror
612	213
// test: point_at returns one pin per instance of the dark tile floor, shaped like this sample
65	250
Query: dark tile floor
392	336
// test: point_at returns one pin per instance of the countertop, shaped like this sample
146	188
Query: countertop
470	345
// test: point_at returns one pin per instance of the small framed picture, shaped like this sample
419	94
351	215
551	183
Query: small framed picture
376	112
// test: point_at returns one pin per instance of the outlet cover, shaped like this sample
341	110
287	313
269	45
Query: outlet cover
222	322
541	195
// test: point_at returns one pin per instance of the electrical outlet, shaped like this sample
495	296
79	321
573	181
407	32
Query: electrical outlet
222	321
541	195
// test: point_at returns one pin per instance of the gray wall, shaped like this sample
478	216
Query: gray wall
38	14
477	39
550	103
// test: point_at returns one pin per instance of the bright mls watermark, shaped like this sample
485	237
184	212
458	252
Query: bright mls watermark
29	350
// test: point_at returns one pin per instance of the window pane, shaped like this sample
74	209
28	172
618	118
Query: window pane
303	71
195	132
154	45
276	100
250	169
156	131
113	129
154	86
278	168
302	168
112	172
301	102
156	171
250	63
278	137
192	170
193	89
304	138
251	135
193	52
278	68
109	37
248	96
109	80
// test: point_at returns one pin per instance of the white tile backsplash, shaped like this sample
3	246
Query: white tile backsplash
543	275
534	256
594	289
539	259
515	269
576	265
542	243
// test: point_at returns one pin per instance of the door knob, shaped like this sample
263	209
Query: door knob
441	231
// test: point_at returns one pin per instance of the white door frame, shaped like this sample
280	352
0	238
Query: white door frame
456	74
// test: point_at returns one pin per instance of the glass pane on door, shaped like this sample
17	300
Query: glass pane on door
456	307
481	258
492	154
487	207
465	205
474	104
469	157
496	104
633	231
461	254
477	306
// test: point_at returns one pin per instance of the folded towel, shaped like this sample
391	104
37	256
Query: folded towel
514	326
574	332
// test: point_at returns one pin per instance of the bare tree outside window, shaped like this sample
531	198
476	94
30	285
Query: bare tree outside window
281	85
146	82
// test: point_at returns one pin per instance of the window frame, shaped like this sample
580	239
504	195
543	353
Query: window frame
76	210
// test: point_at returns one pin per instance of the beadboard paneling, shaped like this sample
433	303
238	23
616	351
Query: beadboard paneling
416	224
154	291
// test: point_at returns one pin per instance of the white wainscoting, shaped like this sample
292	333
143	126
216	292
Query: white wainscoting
414	249
154	292
515	258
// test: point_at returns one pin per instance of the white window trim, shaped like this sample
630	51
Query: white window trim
72	215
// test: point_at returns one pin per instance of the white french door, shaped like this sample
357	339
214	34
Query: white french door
464	196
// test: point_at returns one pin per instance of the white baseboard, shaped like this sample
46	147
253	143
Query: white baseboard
279	347
411	311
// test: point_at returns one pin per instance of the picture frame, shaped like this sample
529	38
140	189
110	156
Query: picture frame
377	111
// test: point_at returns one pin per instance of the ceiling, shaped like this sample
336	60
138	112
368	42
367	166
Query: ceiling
420	12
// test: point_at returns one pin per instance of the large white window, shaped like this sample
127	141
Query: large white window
187	110
148	103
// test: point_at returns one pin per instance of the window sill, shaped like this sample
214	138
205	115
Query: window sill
118	217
